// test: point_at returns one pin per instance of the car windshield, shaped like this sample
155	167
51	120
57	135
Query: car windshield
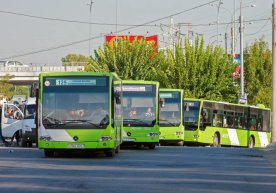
170	113
75	104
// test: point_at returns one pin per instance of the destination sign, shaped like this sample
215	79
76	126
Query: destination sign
78	82
137	88
169	95
192	104
74	81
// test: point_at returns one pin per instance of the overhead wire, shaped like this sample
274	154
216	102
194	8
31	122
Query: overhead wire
96	37
259	30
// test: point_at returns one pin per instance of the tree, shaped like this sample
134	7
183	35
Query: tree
5	87
129	60
75	60
258	73
201	72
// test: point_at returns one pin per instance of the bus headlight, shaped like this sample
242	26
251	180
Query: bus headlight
105	138
151	134
45	138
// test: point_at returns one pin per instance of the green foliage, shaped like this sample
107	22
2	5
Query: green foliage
75	60
129	60
258	73
21	90
201	72
5	87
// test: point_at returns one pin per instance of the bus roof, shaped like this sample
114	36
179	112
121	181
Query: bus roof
223	102
110	74
171	89
139	82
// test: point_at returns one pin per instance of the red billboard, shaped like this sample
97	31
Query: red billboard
110	39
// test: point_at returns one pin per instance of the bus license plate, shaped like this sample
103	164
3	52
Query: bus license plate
128	140
76	146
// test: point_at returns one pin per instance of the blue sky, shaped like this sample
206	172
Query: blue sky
20	34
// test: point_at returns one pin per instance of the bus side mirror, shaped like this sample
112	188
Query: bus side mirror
162	102
117	97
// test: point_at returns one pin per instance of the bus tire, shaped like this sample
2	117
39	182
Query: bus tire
152	146
110	153
251	142
49	153
216	140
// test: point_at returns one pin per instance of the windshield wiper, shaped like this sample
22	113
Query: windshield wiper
82	121
51	120
136	121
172	124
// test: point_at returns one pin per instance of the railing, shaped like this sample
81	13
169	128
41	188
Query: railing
42	69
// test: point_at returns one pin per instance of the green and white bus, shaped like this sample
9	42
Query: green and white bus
171	117
220	123
140	109
79	111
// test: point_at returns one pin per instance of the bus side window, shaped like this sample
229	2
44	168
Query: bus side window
238	121
259	123
205	118
252	122
245	122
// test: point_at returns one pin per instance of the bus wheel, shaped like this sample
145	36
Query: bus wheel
216	141
110	153
152	146
251	142
49	153
180	143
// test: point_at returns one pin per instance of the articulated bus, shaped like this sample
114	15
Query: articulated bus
140	109
220	123
79	111
171	117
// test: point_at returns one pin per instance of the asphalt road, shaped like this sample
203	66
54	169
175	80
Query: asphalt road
165	169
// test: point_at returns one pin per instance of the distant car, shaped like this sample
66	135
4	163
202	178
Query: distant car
9	63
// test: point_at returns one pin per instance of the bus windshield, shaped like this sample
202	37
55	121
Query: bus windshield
75	103
170	113
191	114
139	105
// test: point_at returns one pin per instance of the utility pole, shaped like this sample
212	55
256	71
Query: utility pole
233	33
243	97
273	135
1	137
90	11
225	38
218	20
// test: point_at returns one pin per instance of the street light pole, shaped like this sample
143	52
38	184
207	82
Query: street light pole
90	10
273	134
241	53
233	32
218	20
